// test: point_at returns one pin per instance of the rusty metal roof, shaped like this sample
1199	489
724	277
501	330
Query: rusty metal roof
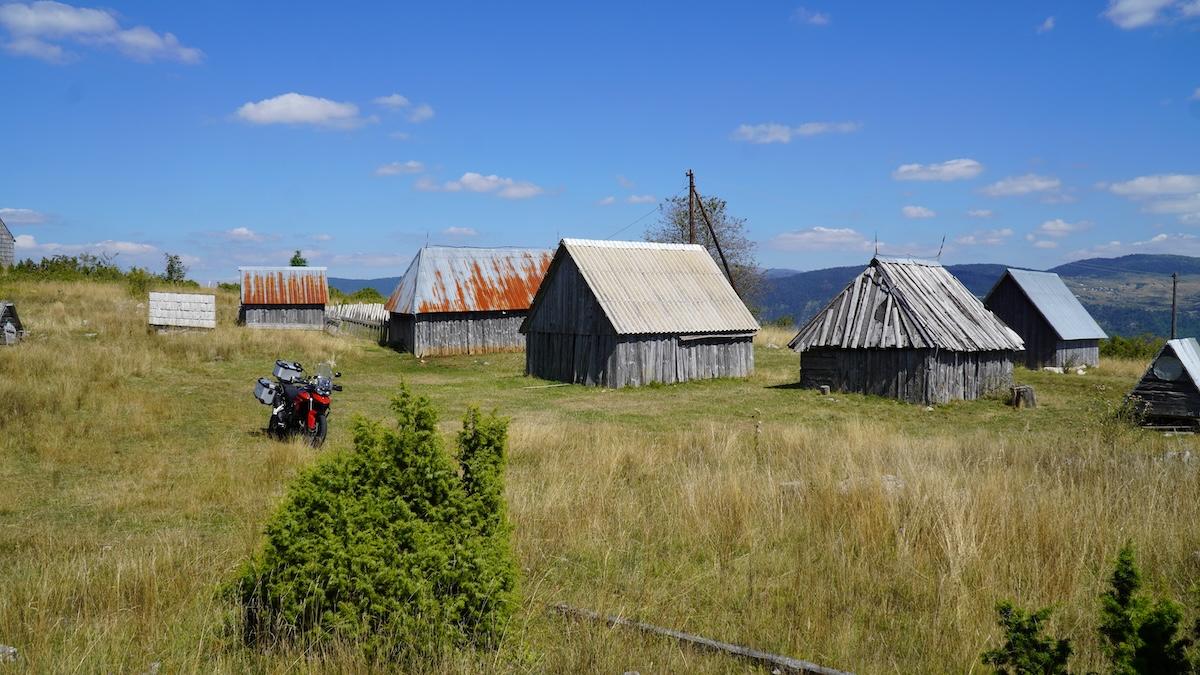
465	279
284	285
904	303
646	287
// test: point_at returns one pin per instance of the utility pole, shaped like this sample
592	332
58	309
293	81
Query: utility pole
691	207
1174	289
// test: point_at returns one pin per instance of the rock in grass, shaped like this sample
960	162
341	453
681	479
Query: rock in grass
8	654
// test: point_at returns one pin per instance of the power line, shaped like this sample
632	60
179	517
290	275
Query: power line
641	217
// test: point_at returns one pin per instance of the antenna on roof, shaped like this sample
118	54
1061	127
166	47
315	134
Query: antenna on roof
943	245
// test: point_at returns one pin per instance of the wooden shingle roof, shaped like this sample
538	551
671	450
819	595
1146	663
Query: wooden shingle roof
904	303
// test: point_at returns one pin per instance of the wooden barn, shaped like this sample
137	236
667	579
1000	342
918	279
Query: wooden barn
7	246
460	300
1055	327
1169	393
283	297
907	329
623	313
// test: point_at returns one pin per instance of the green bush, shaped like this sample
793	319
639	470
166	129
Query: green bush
1026	649
391	546
1144	347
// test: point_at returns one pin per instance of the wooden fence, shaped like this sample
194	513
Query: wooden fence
368	320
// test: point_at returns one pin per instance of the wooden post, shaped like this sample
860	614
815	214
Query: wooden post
1174	290
691	207
1023	396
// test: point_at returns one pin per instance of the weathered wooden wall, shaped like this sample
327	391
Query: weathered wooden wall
635	360
915	375
290	317
1164	401
448	333
7	252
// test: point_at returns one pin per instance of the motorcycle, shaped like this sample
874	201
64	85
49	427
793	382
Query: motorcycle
299	405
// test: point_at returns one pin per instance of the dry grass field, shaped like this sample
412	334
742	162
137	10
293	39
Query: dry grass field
856	532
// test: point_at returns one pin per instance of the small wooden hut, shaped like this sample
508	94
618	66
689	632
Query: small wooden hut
461	300
1055	327
628	313
1169	393
907	329
8	245
283	297
11	330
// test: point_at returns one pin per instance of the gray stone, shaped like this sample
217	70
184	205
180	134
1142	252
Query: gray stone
8	654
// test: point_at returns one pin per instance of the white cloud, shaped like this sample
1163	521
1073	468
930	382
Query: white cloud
1045	243
985	237
28	244
1176	194
243	234
1061	228
393	101
322	237
22	217
980	213
506	188
1046	26
35	28
641	199
917	212
1022	185
820	238
370	260
606	201
420	113
394	168
954	169
1176	243
293	108
1131	14
1160	184
461	232
773	132
810	17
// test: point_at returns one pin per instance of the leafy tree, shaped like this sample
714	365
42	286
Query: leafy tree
392	546
298	260
1026	649
176	272
672	227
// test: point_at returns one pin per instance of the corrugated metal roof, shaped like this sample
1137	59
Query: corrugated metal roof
905	303
1187	350
284	285
464	279
646	287
1057	304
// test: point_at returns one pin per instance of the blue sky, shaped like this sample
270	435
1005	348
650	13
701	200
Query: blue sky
232	133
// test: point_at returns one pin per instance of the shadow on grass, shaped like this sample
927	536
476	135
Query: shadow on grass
789	385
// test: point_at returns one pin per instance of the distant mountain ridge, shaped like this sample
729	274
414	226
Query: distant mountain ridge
1128	295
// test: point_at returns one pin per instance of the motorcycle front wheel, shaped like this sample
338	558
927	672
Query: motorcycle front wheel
316	438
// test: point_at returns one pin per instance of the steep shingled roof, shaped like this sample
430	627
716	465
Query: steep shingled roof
466	279
646	287
904	303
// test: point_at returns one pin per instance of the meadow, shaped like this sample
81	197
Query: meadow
856	532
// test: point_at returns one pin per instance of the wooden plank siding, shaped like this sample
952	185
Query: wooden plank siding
1164	401
1043	347
288	317
449	333
924	376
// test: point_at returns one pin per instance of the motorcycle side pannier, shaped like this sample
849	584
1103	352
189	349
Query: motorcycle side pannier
287	370
264	391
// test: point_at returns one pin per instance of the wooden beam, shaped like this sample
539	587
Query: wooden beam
777	663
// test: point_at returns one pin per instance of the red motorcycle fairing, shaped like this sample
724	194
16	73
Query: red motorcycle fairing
318	399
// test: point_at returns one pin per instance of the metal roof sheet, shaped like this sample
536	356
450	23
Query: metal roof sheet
1057	304
1187	350
284	285
646	287
905	303
465	279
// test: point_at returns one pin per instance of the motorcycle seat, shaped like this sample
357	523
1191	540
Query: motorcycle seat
291	391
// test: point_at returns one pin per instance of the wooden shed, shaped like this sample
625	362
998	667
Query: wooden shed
8	245
1169	393
907	329
1055	327
461	300
283	297
11	330
626	313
